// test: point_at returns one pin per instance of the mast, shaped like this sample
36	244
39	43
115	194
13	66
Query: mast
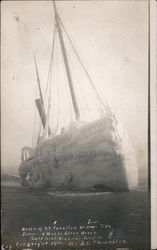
39	102
38	80
66	62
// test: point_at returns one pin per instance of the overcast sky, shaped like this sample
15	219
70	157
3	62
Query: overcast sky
112	37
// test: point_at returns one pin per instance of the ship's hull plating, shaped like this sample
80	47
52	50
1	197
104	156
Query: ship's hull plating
85	158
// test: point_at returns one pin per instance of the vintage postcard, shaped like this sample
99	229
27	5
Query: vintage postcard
78	117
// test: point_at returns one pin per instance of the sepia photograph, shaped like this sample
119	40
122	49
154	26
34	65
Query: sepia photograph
75	125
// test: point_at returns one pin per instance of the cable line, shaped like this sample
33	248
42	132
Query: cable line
81	63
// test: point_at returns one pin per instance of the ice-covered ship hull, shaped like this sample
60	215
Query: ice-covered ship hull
85	158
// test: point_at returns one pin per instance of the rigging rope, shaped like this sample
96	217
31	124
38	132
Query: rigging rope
51	59
81	63
47	128
54	81
78	96
57	84
69	95
78	87
49	85
34	122
64	73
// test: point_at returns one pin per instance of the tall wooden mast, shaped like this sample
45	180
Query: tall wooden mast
66	62
40	102
38	81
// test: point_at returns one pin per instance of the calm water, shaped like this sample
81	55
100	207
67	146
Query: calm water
126	212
